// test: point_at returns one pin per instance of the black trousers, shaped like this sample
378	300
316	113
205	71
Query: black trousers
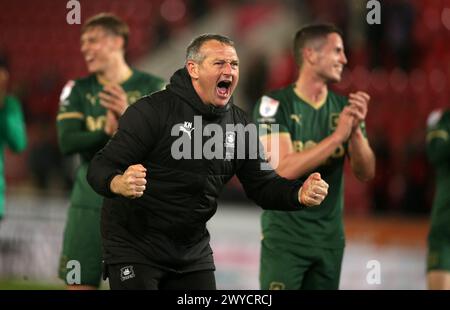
145	277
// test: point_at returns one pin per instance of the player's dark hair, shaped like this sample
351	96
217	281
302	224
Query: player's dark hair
193	50
110	23
310	33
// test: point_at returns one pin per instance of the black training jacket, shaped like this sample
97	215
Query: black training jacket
166	227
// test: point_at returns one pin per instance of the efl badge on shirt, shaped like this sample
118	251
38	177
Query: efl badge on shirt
66	93
434	118
268	107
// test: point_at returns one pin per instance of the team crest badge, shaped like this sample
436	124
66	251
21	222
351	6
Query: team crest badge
229	138
126	273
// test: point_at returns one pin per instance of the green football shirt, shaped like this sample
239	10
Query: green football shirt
307	125
12	135
81	120
438	151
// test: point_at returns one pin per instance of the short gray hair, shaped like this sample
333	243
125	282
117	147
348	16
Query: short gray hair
193	50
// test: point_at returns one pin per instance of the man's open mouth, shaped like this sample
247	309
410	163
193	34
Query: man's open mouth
223	88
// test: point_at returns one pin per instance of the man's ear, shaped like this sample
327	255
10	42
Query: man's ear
119	42
309	55
192	68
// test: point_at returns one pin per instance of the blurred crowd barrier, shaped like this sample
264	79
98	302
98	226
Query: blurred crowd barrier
31	238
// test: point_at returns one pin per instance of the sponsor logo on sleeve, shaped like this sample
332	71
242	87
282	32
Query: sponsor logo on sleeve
434	118
268	106
66	93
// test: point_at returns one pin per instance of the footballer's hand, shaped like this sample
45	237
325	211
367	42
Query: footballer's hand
131	184
359	103
313	191
114	98
111	124
345	124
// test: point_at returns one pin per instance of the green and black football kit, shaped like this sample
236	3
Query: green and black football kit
303	250
12	135
438	151
80	123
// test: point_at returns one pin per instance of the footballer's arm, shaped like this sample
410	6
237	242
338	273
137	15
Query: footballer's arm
292	165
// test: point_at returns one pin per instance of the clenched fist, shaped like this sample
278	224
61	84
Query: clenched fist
131	184
313	191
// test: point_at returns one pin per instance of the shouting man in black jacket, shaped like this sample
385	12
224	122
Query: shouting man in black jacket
163	170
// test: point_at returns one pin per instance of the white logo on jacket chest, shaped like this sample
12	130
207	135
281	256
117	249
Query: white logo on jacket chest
187	128
229	139
221	141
